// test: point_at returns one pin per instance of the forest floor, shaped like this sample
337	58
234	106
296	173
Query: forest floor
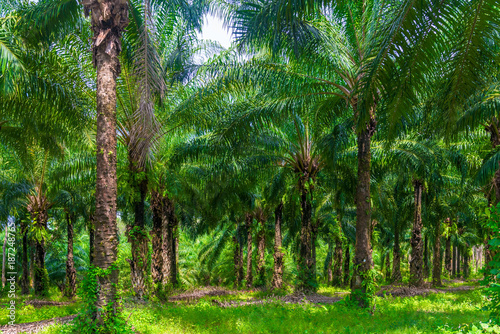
220	310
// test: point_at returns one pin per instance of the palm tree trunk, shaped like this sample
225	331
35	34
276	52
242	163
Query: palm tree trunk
40	280
426	257
466	263
137	235
387	267
329	263
458	261
278	254
169	251
396	256
454	262
248	224
236	256
437	263
363	253
347	265
25	281
306	275
70	263
261	248
157	238
447	255
109	18
416	264
337	261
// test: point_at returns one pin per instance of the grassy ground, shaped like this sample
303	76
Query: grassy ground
435	313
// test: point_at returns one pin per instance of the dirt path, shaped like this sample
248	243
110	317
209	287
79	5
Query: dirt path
404	291
34	327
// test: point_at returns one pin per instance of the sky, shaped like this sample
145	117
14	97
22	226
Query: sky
213	29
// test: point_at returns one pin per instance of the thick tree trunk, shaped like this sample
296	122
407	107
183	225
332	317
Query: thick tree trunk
25	281
278	254
337	261
137	236
396	257
466	263
109	18
436	265
169	248
447	256
454	262
306	275
70	289
458	261
40	280
387	267
261	248
416	264
347	265
157	208
363	253
329	263
236	257
426	258
248	224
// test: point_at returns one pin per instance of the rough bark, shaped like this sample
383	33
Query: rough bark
236	258
347	265
447	255
261	248
108	18
248	224
157	238
337	263
277	282
25	282
37	208
396	256
170	223
387	267
466	259
306	275
70	289
363	254
437	263
454	261
458	261
329	263
137	236
426	257
416	263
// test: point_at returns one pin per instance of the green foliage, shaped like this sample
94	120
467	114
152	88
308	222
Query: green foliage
113	321
492	271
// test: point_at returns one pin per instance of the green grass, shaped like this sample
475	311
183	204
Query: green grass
436	313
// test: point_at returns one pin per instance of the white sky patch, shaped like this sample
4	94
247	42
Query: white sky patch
213	30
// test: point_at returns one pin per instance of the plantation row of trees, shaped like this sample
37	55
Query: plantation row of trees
347	128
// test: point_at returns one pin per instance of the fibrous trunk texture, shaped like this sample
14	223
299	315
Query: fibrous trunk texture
70	289
248	224
37	208
278	254
25	281
416	264
426	257
108	18
387	267
466	259
347	265
137	234
329	263
437	263
447	255
169	244
306	265
454	261
363	262
261	248
459	255
157	238
237	256
337	263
